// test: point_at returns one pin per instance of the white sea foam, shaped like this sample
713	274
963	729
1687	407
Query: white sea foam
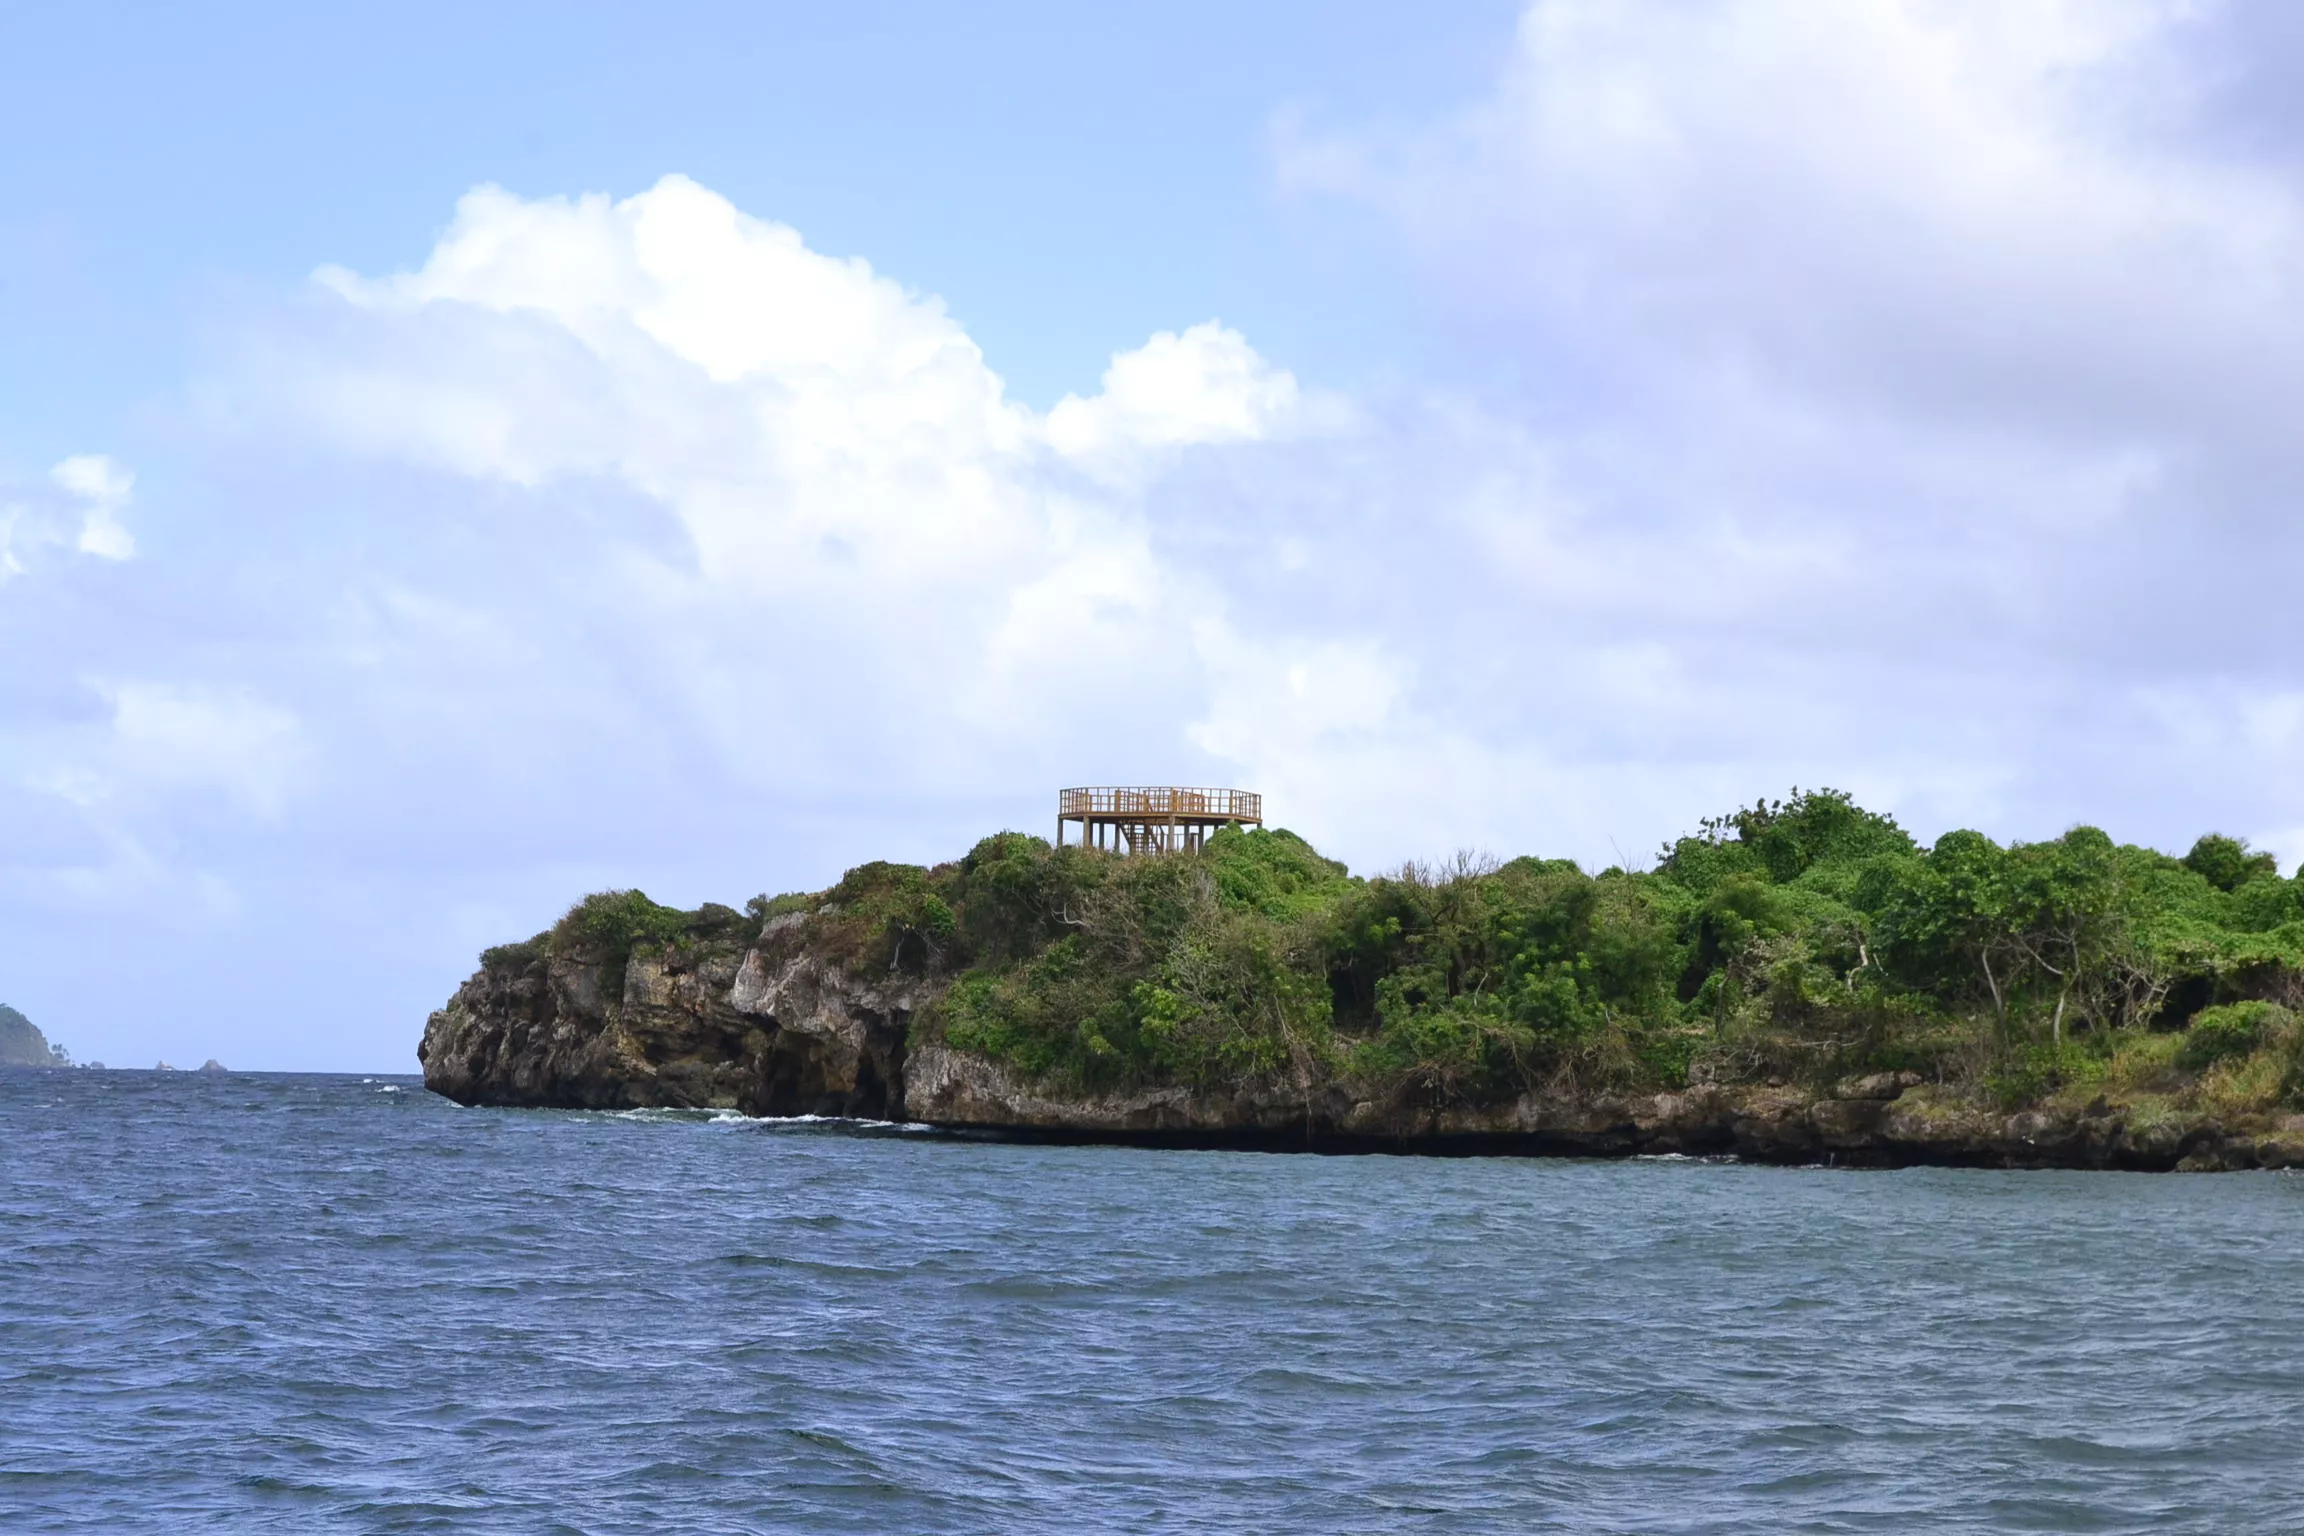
668	1115
857	1121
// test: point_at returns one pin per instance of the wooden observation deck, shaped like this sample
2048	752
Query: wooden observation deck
1154	820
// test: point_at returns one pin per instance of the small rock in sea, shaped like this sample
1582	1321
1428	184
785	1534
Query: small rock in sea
213	1067
93	1066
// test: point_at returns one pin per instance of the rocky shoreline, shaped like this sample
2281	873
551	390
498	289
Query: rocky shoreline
769	1026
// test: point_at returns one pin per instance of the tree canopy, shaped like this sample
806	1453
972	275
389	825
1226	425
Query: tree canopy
1794	940
1797	938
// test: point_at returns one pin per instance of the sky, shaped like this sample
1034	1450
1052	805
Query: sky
455	458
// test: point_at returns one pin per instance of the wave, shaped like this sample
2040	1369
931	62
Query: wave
672	1115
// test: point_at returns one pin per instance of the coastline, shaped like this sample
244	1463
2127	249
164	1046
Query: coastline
772	1024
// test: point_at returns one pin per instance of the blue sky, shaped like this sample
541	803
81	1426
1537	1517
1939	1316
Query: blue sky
1069	178
454	458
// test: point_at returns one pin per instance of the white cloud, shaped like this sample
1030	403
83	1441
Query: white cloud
812	425
1960	211
810	537
1206	385
104	488
1912	405
85	517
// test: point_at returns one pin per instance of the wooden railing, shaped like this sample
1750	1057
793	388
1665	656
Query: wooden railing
1159	801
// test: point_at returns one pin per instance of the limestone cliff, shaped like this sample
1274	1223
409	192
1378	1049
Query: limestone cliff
772	1024
1889	1120
767	1027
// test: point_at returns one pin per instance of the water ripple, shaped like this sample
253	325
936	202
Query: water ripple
340	1304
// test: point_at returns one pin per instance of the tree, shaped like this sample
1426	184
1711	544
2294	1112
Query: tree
1952	912
2227	863
2067	910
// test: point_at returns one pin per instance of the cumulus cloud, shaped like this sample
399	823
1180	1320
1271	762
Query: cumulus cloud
1913	391
836	454
1878	430
1206	385
826	439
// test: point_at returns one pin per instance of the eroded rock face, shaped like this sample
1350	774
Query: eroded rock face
1889	1120
773	1028
952	1088
765	1030
833	1045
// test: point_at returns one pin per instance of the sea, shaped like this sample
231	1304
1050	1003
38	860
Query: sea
341	1304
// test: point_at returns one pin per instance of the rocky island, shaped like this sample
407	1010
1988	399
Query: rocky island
22	1044
1796	982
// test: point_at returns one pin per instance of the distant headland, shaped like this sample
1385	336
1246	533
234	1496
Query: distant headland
1797	981
22	1044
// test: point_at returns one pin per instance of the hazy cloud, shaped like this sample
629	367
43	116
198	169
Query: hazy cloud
103	488
85	517
1911	386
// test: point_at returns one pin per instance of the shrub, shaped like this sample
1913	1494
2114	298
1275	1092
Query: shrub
516	957
1274	873
2228	1032
884	917
612	922
2144	1062
1446	1047
610	925
2030	1072
765	909
981	1014
1006	888
2241	1085
1232	998
1783	839
2226	862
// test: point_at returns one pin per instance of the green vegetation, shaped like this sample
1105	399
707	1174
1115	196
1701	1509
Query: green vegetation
1800	941
22	1044
608	926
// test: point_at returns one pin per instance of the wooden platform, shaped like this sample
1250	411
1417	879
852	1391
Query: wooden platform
1153	819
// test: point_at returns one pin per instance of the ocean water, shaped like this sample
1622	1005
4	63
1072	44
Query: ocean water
320	1304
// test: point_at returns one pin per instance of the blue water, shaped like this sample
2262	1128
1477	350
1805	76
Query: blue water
320	1304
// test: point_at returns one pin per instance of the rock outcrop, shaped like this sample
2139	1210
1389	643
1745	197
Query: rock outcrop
766	1029
1889	1120
773	1027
